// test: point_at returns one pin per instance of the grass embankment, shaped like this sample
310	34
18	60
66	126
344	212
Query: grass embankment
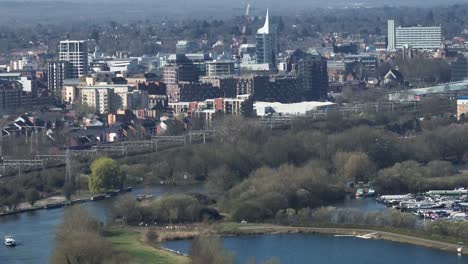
131	242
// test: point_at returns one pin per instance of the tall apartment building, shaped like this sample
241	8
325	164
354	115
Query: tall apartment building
417	37
311	72
391	34
76	53
179	69
99	99
57	72
314	78
266	44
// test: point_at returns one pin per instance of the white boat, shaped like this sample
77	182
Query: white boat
10	241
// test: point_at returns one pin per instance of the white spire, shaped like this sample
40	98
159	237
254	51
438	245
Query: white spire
266	28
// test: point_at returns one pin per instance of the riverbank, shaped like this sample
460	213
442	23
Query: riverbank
132	243
235	229
59	201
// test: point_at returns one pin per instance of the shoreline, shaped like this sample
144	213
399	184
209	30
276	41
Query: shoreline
59	201
235	229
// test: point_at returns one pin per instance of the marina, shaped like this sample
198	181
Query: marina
435	204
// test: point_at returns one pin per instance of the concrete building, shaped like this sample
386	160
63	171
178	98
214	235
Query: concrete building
185	46
391	35
57	72
69	94
10	96
417	37
98	98
220	68
27	83
311	71
241	105
266	47
283	89
123	66
109	98
179	68
254	85
199	60
268	108
227	84
76	53
459	67
188	92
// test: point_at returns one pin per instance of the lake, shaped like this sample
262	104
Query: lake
311	248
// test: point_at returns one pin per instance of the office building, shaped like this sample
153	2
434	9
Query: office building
417	37
220	68
76	53
57	72
266	48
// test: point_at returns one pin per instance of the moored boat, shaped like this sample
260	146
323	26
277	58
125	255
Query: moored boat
10	241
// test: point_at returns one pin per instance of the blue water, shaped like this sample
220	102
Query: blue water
34	231
308	248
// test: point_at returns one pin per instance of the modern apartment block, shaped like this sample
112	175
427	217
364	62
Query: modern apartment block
220	68
417	37
76	53
109	98
242	105
57	72
266	44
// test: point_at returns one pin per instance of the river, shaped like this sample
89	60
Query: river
318	249
34	231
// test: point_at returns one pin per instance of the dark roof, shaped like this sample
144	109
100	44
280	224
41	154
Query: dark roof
397	74
153	88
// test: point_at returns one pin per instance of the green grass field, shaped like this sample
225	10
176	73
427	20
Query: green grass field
139	252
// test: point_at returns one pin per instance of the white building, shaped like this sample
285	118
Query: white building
265	108
417	37
76	53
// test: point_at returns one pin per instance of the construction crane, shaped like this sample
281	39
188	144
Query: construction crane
239	41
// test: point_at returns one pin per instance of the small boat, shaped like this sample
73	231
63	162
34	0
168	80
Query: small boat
10	241
370	192
360	192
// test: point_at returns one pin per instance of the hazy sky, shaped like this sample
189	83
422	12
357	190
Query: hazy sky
53	11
